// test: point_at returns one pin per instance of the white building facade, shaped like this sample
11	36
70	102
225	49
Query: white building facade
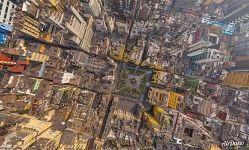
6	6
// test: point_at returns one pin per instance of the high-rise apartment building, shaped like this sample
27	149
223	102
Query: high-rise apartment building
87	39
6	6
238	12
26	21
124	7
76	26
92	6
235	10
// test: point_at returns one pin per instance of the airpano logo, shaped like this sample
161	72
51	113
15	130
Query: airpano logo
230	143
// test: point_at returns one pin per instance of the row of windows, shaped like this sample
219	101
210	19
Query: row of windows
198	46
6	9
201	56
244	30
8	3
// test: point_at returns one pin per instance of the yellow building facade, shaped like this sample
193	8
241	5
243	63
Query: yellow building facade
27	25
173	100
151	122
237	79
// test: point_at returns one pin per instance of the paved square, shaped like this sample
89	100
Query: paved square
132	82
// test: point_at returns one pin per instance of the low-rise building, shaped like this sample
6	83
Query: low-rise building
25	134
50	139
27	25
158	96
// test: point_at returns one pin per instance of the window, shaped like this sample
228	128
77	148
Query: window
5	16
203	137
205	55
191	58
199	57
6	10
209	55
189	132
202	56
8	3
